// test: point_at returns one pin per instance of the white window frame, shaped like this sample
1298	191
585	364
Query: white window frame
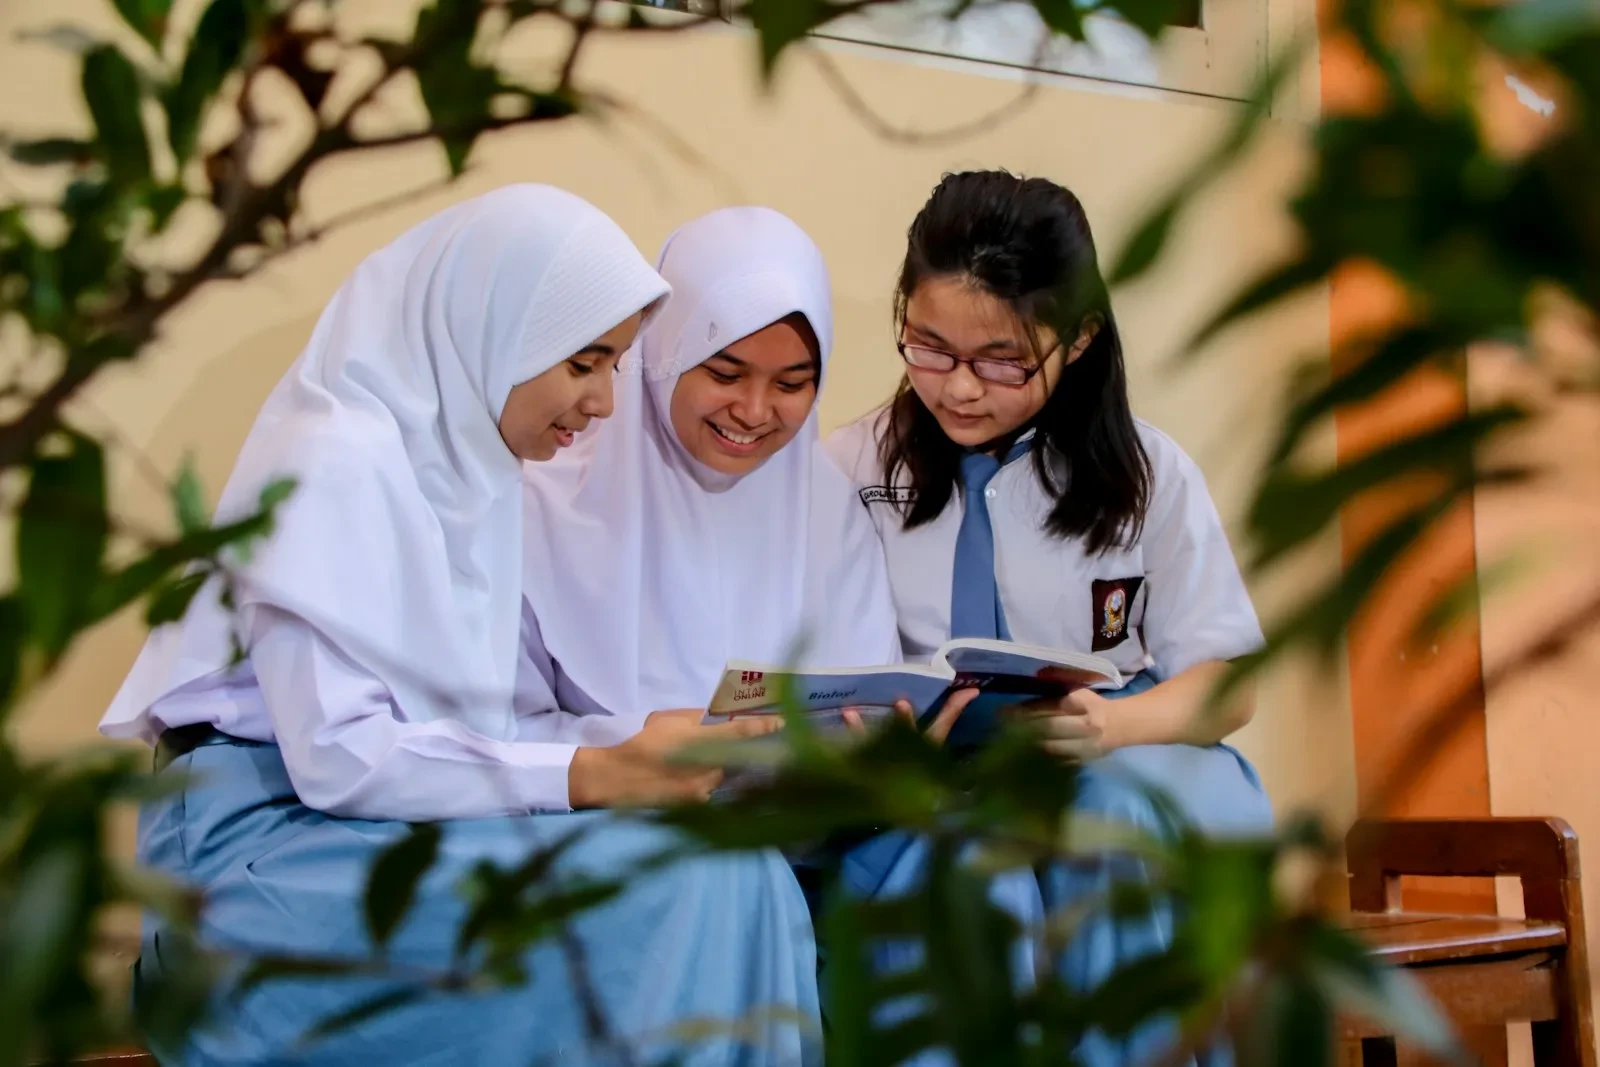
1222	58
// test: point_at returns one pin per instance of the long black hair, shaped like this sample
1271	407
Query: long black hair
1026	241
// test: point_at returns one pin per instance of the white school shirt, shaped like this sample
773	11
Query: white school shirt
348	754
1172	600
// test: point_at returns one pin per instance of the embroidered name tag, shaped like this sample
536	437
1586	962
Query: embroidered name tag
888	494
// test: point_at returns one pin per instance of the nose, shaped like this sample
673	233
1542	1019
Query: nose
962	386
752	405
598	402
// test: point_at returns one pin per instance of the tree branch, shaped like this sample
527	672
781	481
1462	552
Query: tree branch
580	32
900	135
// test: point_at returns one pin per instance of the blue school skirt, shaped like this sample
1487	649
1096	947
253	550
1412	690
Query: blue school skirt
709	940
1214	788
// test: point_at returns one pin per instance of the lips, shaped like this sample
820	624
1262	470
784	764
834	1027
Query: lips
739	444
563	435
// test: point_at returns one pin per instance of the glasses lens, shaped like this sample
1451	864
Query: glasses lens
928	358
1001	372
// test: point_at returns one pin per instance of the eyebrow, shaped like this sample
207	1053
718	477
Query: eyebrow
805	364
599	348
999	344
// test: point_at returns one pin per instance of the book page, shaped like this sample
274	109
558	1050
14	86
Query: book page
979	656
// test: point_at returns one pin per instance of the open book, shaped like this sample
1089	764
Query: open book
1006	673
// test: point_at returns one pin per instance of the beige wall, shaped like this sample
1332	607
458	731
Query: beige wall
802	151
1543	730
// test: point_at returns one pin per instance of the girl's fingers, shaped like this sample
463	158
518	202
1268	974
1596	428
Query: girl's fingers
939	729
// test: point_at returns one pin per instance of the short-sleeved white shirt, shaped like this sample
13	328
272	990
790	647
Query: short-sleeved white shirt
1172	600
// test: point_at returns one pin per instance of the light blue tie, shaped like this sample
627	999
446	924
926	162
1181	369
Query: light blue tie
975	609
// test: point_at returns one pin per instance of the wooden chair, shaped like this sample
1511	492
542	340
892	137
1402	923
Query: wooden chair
1482	970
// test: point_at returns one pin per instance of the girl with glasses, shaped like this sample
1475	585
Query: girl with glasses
1019	498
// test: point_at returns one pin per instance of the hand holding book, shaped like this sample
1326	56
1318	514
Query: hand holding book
1072	728
939	726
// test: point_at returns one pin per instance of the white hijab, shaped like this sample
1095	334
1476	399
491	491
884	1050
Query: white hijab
646	570
402	543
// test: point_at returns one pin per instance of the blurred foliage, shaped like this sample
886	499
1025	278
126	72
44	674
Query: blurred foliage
1480	239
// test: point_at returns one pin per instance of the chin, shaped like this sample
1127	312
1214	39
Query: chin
723	463
971	434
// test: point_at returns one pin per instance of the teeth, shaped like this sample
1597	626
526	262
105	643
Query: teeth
736	438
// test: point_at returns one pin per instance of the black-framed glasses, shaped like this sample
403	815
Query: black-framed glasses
999	371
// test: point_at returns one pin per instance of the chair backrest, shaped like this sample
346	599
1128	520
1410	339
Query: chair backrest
1543	853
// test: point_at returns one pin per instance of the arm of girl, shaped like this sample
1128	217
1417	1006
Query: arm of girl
1086	725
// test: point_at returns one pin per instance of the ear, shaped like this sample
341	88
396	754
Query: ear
1086	336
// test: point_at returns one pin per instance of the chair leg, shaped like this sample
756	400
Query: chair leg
1378	1052
1559	1043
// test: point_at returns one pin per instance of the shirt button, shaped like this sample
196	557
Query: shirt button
989	493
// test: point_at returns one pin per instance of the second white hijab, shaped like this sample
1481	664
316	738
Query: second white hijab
646	570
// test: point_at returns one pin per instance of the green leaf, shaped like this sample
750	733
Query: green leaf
1062	16
1144	988
147	17
111	89
1537	26
1323	618
1292	508
1353	981
61	537
64	36
163	201
1145	246
1151	236
172	600
1292	1023
274	493
780	23
392	884
92	261
51	151
264	969
175	995
361	1011
456	91
13	638
845	974
122	587
968	942
43	919
216	48
1383	363
188	502
1150	16
1278	284
1228	903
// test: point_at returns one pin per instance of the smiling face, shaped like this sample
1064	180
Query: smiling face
543	414
735	410
956	316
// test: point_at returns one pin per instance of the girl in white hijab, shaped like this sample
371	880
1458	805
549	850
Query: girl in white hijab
708	523
385	677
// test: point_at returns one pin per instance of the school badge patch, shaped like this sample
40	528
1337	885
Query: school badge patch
1112	601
